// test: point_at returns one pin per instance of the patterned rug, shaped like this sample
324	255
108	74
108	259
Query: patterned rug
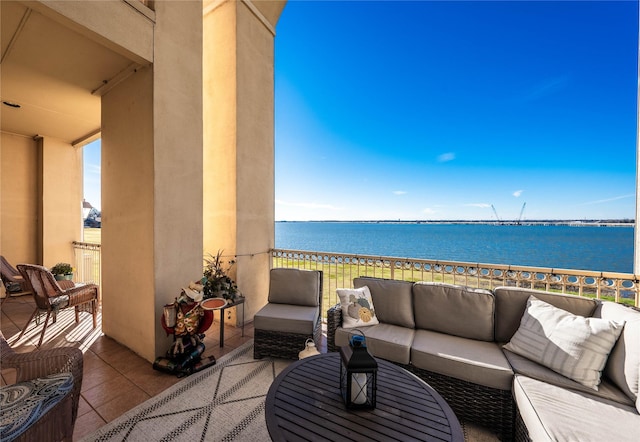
222	403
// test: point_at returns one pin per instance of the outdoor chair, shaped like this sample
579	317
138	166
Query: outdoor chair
43	403
51	297
12	279
291	316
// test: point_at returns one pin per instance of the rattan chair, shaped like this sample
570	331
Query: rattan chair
57	423
12	279
292	315
51	297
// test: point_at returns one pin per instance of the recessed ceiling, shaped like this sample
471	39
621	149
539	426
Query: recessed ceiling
50	71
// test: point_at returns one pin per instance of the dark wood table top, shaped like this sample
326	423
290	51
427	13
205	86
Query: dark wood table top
304	403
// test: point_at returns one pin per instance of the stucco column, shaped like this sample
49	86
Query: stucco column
152	182
239	140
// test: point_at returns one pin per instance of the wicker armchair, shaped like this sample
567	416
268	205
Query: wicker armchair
292	315
51	297
12	279
58	421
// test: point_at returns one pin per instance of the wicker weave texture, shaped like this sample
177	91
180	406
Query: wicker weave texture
282	345
57	424
522	434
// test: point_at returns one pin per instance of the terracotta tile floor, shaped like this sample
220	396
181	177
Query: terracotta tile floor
115	379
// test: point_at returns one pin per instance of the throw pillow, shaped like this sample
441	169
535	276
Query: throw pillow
574	346
357	307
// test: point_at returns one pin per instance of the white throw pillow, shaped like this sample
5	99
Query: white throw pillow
574	346
357	307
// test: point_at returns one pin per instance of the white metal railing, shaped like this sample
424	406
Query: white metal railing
88	263
339	269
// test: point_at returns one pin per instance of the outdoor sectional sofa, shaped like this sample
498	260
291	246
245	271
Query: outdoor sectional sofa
453	336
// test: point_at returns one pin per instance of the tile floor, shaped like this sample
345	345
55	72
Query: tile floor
115	379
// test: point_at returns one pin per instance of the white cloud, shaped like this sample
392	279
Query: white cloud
308	205
481	205
517	193
615	198
399	192
429	211
445	157
94	168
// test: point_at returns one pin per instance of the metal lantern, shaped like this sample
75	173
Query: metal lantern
358	374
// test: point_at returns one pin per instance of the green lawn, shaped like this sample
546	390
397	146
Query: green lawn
92	235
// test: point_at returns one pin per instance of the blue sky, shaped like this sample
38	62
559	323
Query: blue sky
438	110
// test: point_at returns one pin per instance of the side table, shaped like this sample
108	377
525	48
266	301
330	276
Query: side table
238	301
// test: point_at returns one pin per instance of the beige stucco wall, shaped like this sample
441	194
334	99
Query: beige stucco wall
239	141
18	199
152	183
41	189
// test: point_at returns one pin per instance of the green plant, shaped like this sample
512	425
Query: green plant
216	280
62	268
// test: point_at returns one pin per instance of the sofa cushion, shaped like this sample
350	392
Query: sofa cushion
572	345
623	366
294	286
553	413
23	403
474	361
286	318
512	301
357	307
473	309
526	367
386	341
393	300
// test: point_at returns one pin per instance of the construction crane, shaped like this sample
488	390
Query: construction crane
495	212
521	212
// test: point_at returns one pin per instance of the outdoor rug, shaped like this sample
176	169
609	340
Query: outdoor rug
224	402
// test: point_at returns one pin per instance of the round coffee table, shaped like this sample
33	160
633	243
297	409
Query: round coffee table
304	403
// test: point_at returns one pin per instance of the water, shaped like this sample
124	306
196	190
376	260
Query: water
566	247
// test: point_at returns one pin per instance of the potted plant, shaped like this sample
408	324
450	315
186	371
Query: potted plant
62	270
216	281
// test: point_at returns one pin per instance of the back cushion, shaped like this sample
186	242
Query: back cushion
294	286
454	310
623	365
392	300
511	303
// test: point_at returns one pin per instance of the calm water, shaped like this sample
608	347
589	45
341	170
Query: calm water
586	248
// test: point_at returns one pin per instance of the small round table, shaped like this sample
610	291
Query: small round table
304	403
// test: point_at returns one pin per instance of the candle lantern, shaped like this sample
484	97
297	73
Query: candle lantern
358	374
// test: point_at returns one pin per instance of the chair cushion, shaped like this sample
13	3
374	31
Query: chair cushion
287	318
436	303
553	413
525	367
23	403
386	341
294	286
623	365
357	307
393	300
512	301
480	362
572	345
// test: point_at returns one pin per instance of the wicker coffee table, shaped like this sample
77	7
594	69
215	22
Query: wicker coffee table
304	403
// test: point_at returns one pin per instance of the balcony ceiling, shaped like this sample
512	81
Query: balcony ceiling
51	72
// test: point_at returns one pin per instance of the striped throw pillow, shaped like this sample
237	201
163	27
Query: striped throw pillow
574	346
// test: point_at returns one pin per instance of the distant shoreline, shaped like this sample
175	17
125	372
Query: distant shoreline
572	223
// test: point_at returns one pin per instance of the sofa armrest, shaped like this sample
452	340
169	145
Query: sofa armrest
334	320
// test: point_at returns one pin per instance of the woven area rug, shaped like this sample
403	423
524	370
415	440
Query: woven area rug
224	402
221	403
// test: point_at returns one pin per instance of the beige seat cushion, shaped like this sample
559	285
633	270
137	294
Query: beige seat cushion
436	303
553	413
474	361
385	341
286	318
